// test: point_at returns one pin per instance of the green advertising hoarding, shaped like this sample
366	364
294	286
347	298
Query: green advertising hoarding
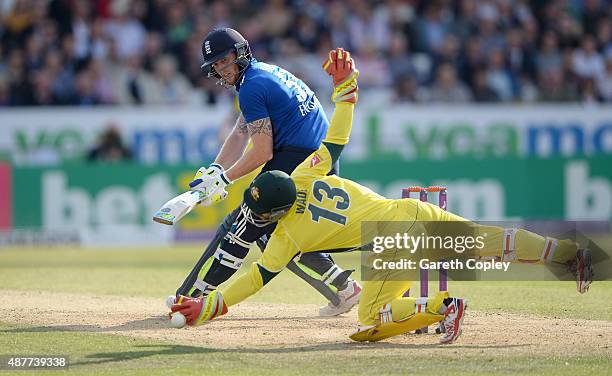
94	195
494	189
90	196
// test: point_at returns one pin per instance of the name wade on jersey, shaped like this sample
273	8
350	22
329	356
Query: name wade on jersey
300	202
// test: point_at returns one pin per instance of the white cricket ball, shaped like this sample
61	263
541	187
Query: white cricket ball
178	320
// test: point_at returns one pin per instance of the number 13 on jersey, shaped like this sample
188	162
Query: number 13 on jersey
322	192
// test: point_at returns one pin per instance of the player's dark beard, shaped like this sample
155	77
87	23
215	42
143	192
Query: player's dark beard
221	80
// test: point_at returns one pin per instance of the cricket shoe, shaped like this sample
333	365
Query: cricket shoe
362	334
349	297
582	269
453	320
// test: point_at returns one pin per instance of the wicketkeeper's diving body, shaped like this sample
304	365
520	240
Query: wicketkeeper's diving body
284	121
315	211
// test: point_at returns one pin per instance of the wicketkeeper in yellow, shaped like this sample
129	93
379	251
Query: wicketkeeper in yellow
318	211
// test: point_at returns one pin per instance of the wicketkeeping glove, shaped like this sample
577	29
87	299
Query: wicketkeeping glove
341	67
198	311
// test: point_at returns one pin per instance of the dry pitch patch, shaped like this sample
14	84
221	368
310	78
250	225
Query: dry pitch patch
261	327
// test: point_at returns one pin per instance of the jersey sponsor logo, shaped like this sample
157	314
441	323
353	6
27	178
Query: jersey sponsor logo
306	107
300	201
207	47
315	160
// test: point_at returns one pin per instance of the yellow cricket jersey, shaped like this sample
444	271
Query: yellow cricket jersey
326	215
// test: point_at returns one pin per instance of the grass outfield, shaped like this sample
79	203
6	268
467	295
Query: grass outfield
155	273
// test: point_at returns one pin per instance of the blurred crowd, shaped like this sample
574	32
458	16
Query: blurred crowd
90	52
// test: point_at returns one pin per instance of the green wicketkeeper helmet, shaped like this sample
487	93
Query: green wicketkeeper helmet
268	198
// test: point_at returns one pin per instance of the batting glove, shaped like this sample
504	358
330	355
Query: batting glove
211	171
212	183
198	311
341	67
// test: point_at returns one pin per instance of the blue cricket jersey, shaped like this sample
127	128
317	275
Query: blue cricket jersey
298	120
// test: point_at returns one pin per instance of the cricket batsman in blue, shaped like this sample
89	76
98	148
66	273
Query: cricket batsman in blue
284	122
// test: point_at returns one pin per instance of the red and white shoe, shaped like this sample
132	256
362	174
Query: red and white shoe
349	297
583	270
453	319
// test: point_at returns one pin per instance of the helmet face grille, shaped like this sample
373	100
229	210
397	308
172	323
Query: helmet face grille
255	219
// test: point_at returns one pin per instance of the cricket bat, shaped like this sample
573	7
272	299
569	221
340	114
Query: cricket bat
178	207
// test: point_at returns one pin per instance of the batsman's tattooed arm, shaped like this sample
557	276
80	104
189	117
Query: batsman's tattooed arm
234	145
260	133
241	125
261	126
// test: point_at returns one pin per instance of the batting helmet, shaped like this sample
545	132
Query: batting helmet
220	42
